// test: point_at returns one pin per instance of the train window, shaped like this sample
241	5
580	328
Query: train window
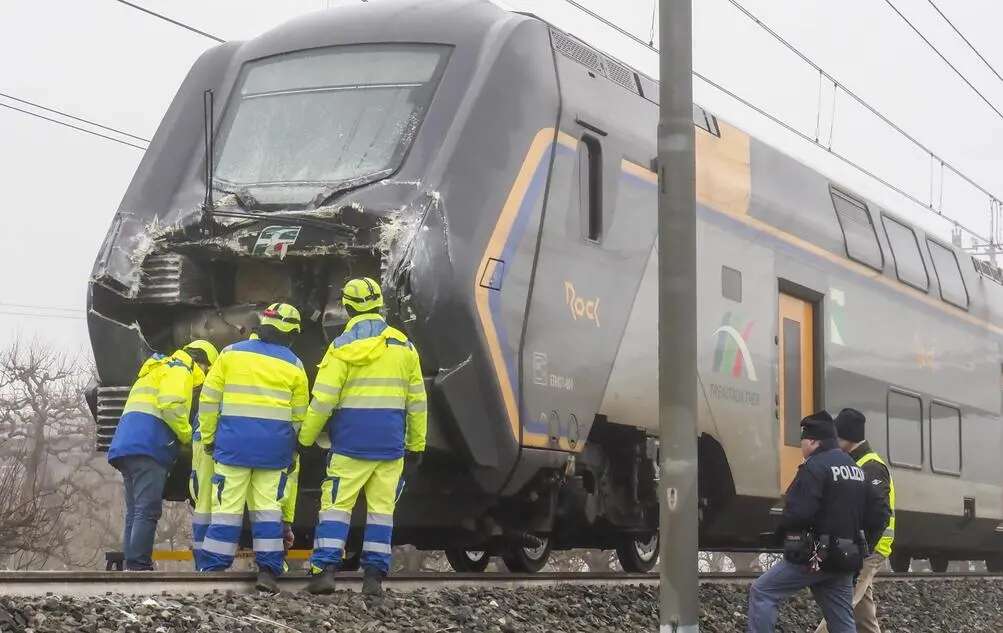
858	230
909	265
731	284
945	266
590	186
305	125
705	121
905	429
792	382
945	439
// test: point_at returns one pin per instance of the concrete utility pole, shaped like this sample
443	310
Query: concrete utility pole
677	322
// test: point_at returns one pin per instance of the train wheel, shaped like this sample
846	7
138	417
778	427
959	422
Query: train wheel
900	562
528	559
938	563
467	560
638	554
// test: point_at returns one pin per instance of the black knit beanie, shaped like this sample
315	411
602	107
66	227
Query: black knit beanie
850	425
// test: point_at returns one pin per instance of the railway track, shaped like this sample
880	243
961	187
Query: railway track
95	583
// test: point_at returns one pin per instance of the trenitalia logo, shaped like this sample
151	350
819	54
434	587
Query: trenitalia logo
731	353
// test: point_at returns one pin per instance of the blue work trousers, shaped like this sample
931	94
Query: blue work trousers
144	479
832	592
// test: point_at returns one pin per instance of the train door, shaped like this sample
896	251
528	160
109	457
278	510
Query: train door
796	385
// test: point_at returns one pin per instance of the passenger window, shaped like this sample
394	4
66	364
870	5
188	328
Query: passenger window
731	284
905	429
705	121
590	186
909	265
945	439
858	230
792	382
945	265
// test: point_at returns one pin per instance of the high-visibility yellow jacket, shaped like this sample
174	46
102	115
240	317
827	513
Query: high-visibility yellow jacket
252	403
370	380
155	417
884	546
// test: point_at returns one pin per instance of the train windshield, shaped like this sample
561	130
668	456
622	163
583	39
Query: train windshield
305	124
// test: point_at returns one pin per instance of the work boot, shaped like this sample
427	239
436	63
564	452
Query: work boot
372	582
322	583
267	581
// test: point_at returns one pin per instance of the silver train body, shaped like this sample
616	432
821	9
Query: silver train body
495	173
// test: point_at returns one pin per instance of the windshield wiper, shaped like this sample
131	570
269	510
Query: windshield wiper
331	190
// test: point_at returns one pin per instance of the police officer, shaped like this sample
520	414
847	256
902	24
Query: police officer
850	431
829	506
252	403
371	381
154	425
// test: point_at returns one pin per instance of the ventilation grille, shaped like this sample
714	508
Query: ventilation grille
988	269
171	279
621	75
111	401
577	51
592	59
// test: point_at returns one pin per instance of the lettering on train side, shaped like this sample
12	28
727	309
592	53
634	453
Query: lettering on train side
733	394
581	307
543	377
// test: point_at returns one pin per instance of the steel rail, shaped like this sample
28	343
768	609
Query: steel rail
97	583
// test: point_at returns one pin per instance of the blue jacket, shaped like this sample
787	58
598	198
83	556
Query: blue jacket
155	419
831	496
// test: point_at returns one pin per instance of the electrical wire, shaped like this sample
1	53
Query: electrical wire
172	21
946	61
75	118
836	85
961	35
79	129
40	307
34	315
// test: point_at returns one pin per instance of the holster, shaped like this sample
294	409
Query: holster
842	555
798	547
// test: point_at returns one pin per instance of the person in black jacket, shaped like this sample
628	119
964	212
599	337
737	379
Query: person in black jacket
829	507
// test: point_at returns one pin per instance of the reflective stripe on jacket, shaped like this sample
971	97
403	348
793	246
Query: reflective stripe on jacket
252	403
155	417
884	546
370	387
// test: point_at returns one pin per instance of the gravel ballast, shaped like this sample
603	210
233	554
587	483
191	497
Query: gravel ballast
905	606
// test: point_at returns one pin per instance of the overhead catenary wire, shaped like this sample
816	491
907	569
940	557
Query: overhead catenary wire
837	85
75	127
946	61
70	116
171	20
965	39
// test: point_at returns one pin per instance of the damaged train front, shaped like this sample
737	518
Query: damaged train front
270	198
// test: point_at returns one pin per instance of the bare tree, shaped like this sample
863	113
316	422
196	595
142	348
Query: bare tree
51	478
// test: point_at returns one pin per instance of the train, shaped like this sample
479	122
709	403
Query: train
496	174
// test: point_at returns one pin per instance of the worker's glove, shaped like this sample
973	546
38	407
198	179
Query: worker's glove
412	461
302	450
209	448
287	536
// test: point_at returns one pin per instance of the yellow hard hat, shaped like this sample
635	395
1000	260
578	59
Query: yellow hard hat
208	348
362	295
282	316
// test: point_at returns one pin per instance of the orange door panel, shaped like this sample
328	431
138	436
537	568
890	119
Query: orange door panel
797	379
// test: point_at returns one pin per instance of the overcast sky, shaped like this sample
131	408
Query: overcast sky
110	63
